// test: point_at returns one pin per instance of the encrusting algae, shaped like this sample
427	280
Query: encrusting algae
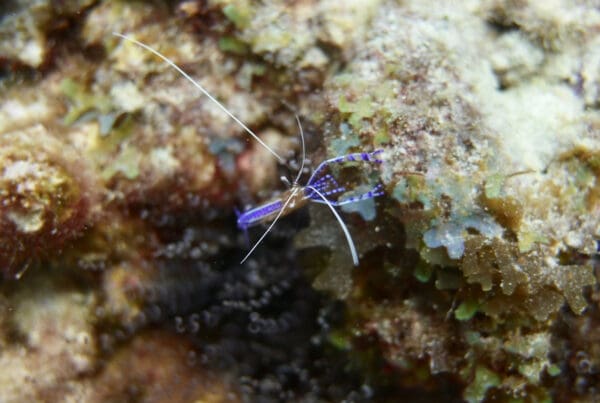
118	182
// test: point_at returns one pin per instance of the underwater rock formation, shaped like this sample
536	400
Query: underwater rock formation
118	180
47	197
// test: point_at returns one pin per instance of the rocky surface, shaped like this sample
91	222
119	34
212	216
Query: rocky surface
119	253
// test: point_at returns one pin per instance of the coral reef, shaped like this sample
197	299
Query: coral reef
485	153
118	180
28	27
47	198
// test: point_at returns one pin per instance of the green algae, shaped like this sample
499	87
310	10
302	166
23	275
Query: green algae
382	137
528	239
82	101
358	110
412	188
423	272
239	13
340	340
485	379
553	370
127	163
493	185
233	45
466	310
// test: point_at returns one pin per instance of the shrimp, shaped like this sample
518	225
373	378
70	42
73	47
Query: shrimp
317	189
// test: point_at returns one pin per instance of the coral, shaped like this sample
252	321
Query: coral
287	36
189	141
49	340
148	367
483	181
515	59
28	104
118	182
24	36
46	197
524	278
554	25
451	235
484	380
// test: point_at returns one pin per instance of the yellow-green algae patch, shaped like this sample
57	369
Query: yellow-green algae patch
484	379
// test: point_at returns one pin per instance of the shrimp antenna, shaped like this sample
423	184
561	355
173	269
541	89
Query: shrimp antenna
294	192
303	149
201	88
270	226
344	228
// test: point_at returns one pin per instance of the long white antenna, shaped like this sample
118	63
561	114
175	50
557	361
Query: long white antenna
201	88
272	224
344	228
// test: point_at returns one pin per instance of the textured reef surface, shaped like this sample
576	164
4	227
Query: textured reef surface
119	255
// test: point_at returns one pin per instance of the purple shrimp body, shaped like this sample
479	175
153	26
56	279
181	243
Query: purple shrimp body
319	189
289	201
257	214
316	188
328	186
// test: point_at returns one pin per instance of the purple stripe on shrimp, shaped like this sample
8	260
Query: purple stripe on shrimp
375	192
315	196
255	215
327	177
366	157
325	185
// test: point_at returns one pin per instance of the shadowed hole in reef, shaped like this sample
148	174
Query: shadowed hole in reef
261	321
